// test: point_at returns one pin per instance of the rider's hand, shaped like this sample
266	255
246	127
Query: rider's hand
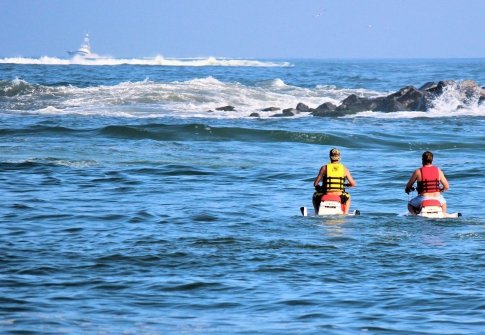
408	189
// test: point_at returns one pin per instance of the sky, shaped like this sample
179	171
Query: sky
250	29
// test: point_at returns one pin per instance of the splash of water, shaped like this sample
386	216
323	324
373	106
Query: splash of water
97	60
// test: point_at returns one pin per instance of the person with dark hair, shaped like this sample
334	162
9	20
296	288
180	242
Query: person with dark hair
431	182
333	176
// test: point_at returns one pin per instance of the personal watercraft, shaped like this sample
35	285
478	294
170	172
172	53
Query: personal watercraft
431	208
330	204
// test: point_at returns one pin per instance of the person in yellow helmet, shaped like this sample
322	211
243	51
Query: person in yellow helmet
333	176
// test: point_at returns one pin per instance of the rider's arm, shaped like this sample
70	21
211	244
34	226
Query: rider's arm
349	178
411	181
444	182
320	175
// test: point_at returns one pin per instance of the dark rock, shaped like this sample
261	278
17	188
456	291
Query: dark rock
254	115
354	104
270	109
407	99
290	112
438	89
210	111
286	113
324	109
427	86
301	107
226	108
335	113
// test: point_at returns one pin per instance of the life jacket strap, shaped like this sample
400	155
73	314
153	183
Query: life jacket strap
430	181
335	183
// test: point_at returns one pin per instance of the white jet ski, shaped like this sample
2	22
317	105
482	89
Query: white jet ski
431	208
331	204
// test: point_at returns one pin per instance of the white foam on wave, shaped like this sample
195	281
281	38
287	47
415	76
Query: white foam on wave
432	113
456	100
153	61
193	98
339	94
273	83
476	110
58	162
35	61
50	110
200	98
13	87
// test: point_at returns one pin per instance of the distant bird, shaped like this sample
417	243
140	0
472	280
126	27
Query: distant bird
319	13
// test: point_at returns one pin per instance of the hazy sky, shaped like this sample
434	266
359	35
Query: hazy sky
245	28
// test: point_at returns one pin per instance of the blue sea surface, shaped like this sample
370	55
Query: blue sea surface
131	205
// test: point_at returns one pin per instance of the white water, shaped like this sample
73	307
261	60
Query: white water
154	61
201	98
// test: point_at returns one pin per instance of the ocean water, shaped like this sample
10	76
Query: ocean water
130	205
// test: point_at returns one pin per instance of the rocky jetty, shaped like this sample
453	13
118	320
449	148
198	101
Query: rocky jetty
409	98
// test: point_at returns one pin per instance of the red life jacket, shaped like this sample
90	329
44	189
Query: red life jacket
430	180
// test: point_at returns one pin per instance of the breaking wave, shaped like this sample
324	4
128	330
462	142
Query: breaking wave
154	61
202	97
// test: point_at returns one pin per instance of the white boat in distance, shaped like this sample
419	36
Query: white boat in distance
84	50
